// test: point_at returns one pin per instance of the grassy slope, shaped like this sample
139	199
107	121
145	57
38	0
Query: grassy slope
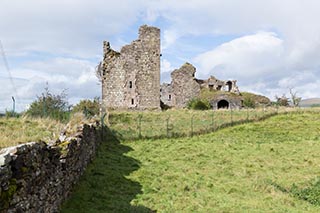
14	131
238	169
154	124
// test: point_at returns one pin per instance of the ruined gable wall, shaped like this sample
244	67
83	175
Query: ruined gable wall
184	85
132	77
113	78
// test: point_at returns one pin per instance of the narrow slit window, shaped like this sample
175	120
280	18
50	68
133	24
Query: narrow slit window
169	98
132	101
130	84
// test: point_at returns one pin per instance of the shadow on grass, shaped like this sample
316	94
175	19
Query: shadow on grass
104	187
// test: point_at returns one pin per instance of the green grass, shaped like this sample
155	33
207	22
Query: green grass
14	131
268	166
177	123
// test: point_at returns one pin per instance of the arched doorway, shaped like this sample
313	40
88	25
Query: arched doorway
223	104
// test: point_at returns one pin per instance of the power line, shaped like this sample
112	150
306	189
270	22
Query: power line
6	64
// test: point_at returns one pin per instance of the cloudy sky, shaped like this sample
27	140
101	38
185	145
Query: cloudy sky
268	46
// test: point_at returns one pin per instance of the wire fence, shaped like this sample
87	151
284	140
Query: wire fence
132	126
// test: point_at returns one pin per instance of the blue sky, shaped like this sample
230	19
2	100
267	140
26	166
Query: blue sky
268	46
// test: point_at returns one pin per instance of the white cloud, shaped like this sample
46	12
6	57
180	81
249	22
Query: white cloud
246	57
169	38
276	41
77	76
63	27
166	66
262	63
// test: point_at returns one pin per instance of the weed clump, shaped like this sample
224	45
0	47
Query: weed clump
197	104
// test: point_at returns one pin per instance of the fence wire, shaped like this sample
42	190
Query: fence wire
134	125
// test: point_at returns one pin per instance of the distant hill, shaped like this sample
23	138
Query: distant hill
310	102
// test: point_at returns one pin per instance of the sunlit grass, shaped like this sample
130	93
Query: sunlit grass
232	170
14	131
246	168
174	123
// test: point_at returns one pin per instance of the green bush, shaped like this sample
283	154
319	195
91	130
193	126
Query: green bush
10	114
88	107
198	104
50	105
249	102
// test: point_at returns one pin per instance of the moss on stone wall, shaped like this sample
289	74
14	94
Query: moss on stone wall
206	94
7	195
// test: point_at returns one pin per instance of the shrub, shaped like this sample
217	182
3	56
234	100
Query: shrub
11	114
50	105
198	104
282	101
88	107
249	102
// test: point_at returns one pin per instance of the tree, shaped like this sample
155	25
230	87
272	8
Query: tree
88	107
49	104
295	100
282	101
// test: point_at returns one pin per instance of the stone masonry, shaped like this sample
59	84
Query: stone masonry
38	177
184	87
131	78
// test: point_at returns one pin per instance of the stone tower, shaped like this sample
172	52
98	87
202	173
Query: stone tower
131	78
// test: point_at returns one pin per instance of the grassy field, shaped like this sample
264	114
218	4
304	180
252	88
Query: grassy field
267	166
14	131
177	123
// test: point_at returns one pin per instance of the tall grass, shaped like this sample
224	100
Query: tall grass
14	131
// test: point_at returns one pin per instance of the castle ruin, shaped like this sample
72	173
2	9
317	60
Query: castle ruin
131	78
184	87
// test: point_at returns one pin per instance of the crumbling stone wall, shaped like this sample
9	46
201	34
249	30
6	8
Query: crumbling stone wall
131	78
234	102
213	83
166	94
184	85
37	177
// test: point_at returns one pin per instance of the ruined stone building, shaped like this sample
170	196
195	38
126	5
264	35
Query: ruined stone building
131	78
184	87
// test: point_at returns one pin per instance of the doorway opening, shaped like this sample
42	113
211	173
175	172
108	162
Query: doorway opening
223	104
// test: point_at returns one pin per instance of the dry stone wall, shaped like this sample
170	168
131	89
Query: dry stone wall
38	177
